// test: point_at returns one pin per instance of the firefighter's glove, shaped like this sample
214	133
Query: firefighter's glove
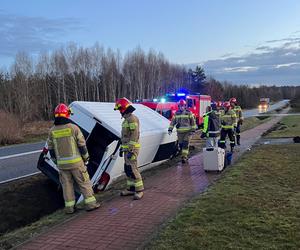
203	135
86	162
121	152
170	131
130	155
223	123
241	122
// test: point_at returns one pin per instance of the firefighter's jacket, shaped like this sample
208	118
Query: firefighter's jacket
228	119
211	124
68	144
130	133
239	113
184	121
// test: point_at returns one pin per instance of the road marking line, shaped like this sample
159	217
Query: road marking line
21	154
20	177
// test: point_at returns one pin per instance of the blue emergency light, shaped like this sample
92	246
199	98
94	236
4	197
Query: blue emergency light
162	100
180	94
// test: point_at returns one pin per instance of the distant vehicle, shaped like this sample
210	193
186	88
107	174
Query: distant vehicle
167	105
264	104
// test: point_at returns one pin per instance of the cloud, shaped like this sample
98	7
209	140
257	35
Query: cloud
277	63
32	34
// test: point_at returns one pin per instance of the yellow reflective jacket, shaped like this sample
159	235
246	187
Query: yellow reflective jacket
69	146
130	133
184	121
239	113
228	119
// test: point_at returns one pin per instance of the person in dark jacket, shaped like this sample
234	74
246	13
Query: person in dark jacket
211	126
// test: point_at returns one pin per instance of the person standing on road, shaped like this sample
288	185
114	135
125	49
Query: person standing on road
211	126
228	122
185	124
130	147
239	114
68	150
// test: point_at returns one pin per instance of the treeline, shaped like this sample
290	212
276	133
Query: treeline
32	88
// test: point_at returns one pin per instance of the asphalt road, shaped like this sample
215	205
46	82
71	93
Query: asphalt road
20	160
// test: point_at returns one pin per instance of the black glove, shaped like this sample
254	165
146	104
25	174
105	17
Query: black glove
241	122
121	152
170	131
129	155
223	123
203	135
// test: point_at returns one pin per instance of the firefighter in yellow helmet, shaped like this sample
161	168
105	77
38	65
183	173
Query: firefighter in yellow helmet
185	124
68	150
130	147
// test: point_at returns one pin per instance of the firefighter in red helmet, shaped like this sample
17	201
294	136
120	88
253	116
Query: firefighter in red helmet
68	150
130	147
239	115
228	122
185	123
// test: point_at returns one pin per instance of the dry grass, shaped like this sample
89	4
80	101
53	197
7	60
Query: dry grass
10	128
13	131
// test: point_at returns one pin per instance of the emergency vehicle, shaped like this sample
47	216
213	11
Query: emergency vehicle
167	106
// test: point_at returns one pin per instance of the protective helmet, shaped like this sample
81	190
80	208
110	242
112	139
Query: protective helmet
233	100
181	102
122	104
62	110
226	105
219	104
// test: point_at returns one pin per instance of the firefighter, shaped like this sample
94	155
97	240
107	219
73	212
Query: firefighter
68	150
130	147
219	108
228	122
211	126
239	114
185	124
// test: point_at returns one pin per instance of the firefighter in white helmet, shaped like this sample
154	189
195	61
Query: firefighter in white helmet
68	150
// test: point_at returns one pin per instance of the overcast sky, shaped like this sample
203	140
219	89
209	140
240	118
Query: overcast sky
235	40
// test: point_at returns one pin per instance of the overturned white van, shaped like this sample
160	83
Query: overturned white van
101	127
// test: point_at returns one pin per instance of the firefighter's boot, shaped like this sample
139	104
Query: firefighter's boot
92	206
127	193
69	210
138	195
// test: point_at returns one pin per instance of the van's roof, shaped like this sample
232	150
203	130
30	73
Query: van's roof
150	120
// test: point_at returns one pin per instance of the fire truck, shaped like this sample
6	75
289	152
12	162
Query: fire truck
167	105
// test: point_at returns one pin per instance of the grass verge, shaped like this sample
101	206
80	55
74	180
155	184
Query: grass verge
289	126
252	122
256	205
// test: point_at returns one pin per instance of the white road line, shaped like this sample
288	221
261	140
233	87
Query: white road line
20	177
21	154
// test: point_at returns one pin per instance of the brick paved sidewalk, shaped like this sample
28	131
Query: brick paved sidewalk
126	224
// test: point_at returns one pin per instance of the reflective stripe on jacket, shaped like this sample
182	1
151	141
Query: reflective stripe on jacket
228	119
211	124
130	132
69	145
239	113
184	121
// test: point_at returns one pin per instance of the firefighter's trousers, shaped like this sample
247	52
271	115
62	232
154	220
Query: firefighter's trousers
81	177
134	178
184	142
237	133
224	133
